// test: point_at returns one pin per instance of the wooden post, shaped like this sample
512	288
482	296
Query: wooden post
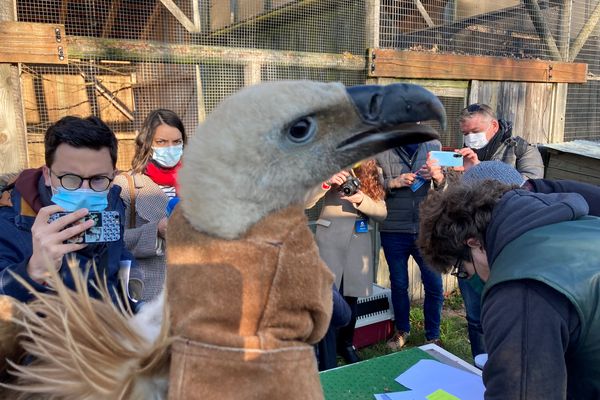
585	33
13	132
542	28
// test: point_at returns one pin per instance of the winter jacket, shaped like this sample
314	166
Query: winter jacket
514	151
16	242
402	203
540	314
591	193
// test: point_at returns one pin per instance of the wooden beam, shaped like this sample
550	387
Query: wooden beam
585	33
424	13
84	47
13	132
542	28
190	26
413	64
25	42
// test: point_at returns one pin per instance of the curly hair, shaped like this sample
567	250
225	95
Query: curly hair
448	218
370	180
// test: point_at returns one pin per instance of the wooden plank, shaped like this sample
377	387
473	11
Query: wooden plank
115	98
413	64
65	95
537	115
13	140
190	26
246	9
424	13
149	51
221	14
559	110
32	43
32	114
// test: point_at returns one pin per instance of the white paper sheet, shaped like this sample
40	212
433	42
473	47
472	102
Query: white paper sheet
427	376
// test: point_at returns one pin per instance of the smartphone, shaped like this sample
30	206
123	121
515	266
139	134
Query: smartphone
447	158
106	229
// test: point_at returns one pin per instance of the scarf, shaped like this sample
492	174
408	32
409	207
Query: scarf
163	176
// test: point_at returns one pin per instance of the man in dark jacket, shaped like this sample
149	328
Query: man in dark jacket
81	156
535	260
408	176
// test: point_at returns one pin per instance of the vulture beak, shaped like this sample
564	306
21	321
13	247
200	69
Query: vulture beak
392	116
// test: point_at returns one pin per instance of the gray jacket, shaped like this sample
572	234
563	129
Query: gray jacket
514	151
402	203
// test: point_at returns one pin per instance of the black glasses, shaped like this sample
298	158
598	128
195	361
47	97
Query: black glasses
474	108
459	270
98	183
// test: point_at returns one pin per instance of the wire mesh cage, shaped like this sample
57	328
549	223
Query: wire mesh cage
127	57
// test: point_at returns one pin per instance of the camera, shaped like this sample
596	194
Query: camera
350	187
107	227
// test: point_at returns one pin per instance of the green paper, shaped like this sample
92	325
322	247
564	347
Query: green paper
441	395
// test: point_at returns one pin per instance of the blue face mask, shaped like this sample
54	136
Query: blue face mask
167	156
476	284
72	200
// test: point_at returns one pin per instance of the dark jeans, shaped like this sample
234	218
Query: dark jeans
473	310
397	247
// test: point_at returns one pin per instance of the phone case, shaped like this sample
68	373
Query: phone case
107	228
447	158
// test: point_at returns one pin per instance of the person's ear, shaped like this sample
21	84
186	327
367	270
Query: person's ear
495	125
46	174
474	243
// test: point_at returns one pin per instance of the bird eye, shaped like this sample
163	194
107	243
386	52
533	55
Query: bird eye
302	130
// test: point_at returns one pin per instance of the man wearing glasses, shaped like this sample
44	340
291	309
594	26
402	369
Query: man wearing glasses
489	138
534	260
81	156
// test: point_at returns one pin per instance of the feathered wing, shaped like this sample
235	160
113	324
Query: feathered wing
86	348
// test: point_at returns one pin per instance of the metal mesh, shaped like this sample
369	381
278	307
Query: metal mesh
160	63
524	29
187	55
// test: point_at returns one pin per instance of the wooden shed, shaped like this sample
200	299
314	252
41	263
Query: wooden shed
577	160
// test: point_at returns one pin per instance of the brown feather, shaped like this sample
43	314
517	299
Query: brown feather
85	348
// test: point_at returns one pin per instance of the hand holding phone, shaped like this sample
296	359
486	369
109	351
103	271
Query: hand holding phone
48	240
447	158
106	227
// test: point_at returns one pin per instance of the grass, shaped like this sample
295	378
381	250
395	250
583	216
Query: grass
453	331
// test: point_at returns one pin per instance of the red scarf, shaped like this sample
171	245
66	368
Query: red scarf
163	176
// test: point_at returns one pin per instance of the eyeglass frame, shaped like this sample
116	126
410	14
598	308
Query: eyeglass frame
82	179
458	269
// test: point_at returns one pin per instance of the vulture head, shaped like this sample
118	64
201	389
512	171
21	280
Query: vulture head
263	148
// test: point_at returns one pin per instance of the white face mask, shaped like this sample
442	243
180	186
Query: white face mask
476	140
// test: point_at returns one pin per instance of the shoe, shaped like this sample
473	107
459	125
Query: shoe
436	341
398	340
349	355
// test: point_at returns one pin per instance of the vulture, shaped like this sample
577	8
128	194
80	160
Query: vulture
246	294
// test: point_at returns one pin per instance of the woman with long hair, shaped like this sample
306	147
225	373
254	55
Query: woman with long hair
148	190
344	235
